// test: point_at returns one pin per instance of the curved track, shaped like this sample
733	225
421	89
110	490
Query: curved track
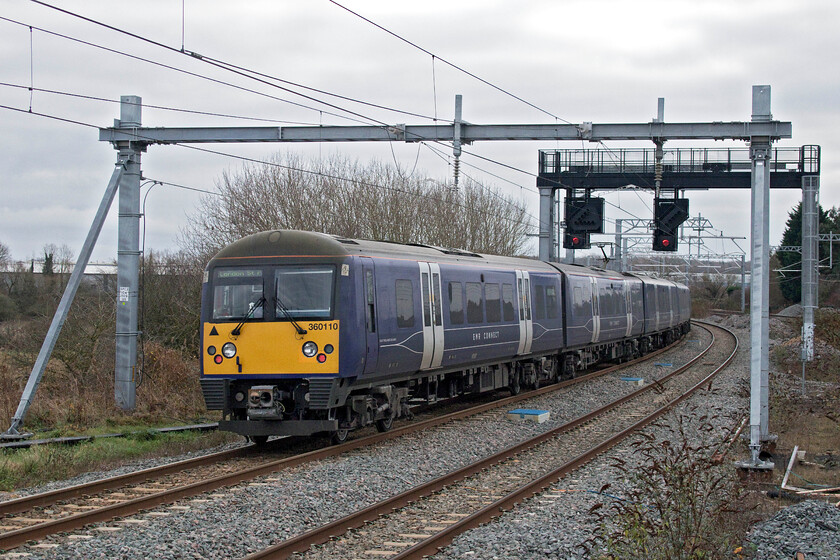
419	521
27	519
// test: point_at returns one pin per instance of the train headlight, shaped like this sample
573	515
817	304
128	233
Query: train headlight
239	396
229	350
310	349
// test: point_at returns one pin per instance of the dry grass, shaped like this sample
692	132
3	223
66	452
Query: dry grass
76	396
70	402
811	421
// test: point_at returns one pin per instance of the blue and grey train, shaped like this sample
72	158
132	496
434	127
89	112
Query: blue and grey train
304	332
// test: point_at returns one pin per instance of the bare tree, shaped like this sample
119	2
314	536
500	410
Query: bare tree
8	309
5	257
343	197
62	257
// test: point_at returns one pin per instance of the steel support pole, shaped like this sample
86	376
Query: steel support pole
547	223
128	260
624	242
810	229
743	283
759	278
619	255
64	305
456	140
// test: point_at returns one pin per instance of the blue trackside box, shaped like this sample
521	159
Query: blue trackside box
530	414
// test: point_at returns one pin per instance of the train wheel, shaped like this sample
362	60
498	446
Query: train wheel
385	424
513	385
339	436
258	440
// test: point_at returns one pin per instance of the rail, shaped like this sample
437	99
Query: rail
431	545
14	538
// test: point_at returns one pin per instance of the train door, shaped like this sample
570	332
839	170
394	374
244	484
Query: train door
526	324
432	303
596	310
371	331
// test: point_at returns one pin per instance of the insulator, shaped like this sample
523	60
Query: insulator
457	170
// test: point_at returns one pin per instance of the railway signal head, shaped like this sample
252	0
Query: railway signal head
576	240
668	214
664	241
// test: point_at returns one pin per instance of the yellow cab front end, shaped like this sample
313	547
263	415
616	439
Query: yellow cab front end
269	330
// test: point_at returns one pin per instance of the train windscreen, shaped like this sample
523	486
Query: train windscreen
237	293
304	292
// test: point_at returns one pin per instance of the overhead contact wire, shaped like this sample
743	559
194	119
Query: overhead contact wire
240	70
455	66
251	160
159	107
176	69
222	66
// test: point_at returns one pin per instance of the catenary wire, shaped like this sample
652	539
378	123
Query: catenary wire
232	155
194	74
241	87
319	174
176	69
248	74
147	106
455	66
243	71
441	155
250	160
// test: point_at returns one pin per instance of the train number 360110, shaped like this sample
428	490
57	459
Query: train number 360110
323	327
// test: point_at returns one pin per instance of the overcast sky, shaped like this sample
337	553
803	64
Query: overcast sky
588	60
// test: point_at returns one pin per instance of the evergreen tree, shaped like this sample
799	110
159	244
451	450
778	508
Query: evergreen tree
790	281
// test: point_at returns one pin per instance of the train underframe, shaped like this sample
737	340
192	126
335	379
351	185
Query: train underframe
337	406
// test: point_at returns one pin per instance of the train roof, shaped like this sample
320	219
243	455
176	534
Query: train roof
296	243
291	243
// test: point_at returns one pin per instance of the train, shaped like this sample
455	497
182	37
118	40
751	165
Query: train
305	333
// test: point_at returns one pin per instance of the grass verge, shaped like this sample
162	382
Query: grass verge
46	463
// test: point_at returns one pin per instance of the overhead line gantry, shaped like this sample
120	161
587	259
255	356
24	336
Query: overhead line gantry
131	139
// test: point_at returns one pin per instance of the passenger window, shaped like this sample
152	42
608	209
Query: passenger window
369	295
404	292
578	299
521	300
493	297
427	315
437	303
527	299
474	303
551	301
456	304
539	302
507	302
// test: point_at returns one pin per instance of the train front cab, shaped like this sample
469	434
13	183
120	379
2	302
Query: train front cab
274	341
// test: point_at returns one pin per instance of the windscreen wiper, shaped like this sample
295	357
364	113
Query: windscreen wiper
256	304
279	305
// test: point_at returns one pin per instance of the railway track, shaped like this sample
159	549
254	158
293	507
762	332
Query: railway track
35	517
418	522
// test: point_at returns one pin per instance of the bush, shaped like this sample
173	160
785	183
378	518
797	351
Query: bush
679	505
8	308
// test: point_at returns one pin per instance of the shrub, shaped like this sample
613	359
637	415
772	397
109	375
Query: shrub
679	505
